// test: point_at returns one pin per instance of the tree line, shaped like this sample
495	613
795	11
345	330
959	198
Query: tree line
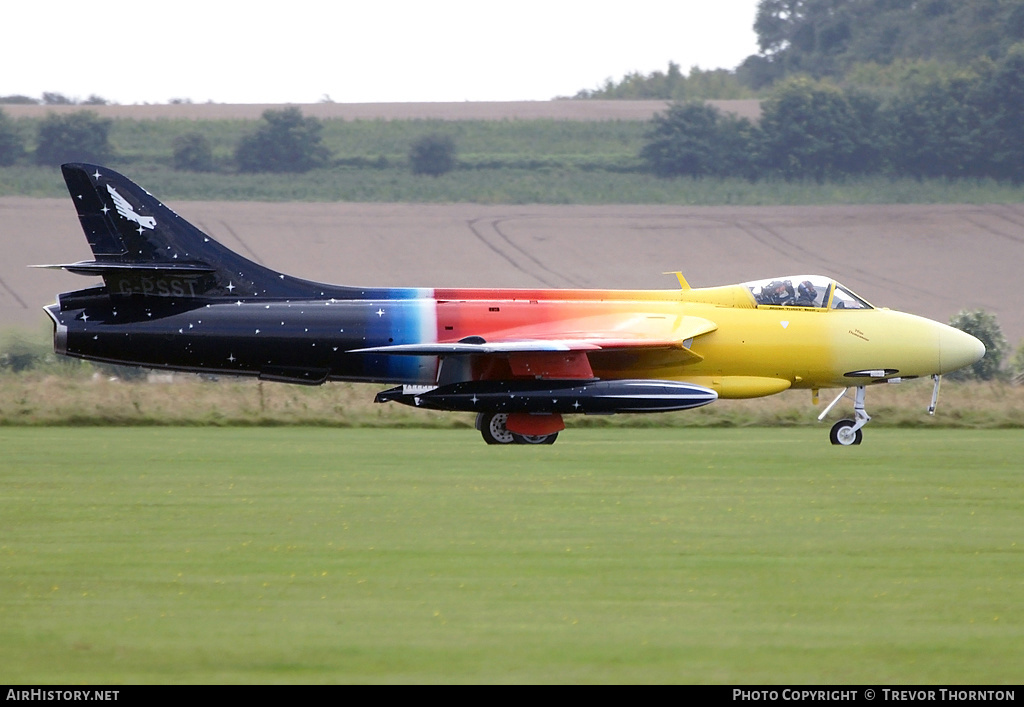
283	141
850	42
966	125
829	38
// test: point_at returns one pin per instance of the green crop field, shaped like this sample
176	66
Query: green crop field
539	161
305	555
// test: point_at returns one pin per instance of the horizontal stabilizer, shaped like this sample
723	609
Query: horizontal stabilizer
105	267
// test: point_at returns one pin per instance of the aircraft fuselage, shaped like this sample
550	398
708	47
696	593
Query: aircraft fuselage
754	351
173	298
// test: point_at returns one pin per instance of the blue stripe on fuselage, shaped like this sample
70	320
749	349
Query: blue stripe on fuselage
404	316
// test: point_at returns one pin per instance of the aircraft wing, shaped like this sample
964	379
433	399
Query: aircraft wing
621	333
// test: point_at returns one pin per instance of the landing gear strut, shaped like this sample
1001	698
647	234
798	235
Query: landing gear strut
848	432
492	426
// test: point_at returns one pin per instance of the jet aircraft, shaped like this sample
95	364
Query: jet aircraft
172	298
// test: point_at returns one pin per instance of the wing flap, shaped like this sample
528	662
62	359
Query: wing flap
679	336
527	353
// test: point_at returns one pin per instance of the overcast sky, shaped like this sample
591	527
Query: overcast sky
358	52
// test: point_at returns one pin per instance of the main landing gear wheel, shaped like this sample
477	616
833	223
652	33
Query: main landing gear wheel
535	439
845	434
493	429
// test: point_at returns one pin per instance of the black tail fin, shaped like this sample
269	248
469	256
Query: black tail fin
141	247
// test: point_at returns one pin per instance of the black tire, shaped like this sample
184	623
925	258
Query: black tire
535	439
841	434
492	428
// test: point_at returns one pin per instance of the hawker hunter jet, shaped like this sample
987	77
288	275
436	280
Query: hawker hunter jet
174	299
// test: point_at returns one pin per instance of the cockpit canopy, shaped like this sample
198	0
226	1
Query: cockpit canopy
804	291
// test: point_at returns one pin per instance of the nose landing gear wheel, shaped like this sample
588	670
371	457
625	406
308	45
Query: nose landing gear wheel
843	433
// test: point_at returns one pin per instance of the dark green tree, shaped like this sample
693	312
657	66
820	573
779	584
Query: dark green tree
12	147
804	36
1002	105
52	98
673	85
18	99
433	154
985	327
739	148
812	130
696	140
683	141
825	38
285	142
937	129
73	137
192	152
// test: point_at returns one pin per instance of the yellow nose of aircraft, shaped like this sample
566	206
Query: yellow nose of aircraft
958	349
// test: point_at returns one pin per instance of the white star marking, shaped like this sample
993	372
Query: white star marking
576	405
85	317
230	287
104	209
474	399
231	358
380	312
96	175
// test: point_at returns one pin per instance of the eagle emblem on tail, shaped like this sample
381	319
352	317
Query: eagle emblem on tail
127	211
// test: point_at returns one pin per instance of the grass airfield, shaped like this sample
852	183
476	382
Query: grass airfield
306	555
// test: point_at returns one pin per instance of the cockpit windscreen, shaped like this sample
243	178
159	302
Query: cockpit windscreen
804	291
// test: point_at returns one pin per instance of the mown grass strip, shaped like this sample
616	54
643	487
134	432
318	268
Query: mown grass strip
309	555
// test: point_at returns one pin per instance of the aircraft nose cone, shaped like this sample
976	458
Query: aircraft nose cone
958	349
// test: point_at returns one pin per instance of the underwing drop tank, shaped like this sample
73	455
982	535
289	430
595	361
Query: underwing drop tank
596	397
